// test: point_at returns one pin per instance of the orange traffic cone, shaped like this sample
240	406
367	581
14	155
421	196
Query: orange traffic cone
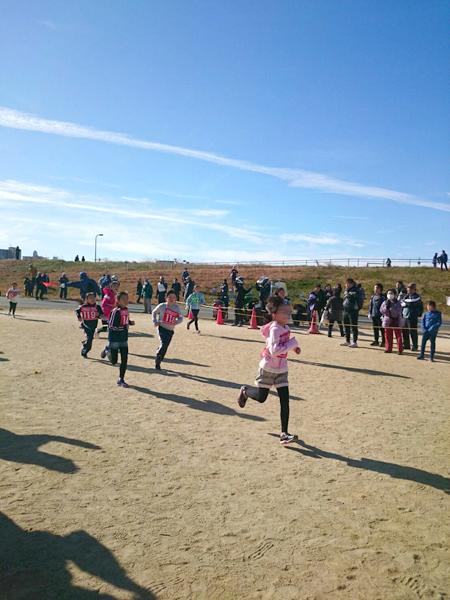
253	321
219	320
313	328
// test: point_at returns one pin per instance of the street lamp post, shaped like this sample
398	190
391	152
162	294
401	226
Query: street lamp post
95	255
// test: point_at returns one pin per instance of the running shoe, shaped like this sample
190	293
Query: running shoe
103	353
353	345
242	398
122	383
158	366
286	438
420	357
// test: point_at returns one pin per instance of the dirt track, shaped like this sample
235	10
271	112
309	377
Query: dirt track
168	490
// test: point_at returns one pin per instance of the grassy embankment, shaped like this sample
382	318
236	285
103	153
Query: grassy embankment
432	283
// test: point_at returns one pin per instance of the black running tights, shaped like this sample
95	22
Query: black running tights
123	359
260	395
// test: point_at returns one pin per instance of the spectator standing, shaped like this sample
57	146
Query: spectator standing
233	275
333	311
375	303
412	309
400	290
388	263
185	276
444	260
431	322
77	258
176	286
83	259
435	260
63	281
161	290
313	300
241	292
139	290
392	321
147	291
352	304
189	288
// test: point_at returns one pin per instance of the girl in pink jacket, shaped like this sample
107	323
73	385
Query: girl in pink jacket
273	367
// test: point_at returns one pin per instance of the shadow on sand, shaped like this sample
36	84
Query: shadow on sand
439	482
25	449
35	565
203	405
351	369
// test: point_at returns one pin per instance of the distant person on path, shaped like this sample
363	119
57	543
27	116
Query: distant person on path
193	303
176	286
273	367
375	303
165	318
444	260
77	258
189	288
17	253
27	286
241	292
40	287
388	263
147	292
161	290
88	314
333	311
118	325
12	295
391	310
352	304
431	322
185	276
412	309
435	260
83	259
139	290
63	281
233	275
85	285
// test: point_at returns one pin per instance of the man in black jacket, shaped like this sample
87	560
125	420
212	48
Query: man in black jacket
241	292
374	313
412	309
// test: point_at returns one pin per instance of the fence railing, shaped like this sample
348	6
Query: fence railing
326	262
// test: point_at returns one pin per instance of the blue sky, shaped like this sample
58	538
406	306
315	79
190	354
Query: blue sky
246	130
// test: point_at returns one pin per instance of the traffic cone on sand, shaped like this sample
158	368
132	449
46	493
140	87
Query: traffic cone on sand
313	328
219	320
253	321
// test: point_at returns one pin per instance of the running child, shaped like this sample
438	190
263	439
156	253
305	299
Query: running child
88	314
193	303
273	367
431	321
13	296
108	305
118	324
165	317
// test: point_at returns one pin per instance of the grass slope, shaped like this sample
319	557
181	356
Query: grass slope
432	283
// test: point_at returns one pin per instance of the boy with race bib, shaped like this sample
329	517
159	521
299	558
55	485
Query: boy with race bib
165	317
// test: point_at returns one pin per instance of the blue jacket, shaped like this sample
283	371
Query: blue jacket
85	285
431	321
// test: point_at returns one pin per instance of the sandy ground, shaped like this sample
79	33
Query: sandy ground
168	490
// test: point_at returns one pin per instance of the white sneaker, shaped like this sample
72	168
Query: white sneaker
353	345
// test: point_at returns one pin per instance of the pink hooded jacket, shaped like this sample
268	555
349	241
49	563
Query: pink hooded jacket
108	302
278	344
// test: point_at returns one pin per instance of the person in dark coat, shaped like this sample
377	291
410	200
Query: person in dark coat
412	309
189	289
375	303
352	305
443	260
138	290
63	281
333	311
241	292
435	260
176	286
161	290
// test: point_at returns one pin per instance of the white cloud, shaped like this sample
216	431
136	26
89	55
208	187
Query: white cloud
324	239
293	177
49	25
